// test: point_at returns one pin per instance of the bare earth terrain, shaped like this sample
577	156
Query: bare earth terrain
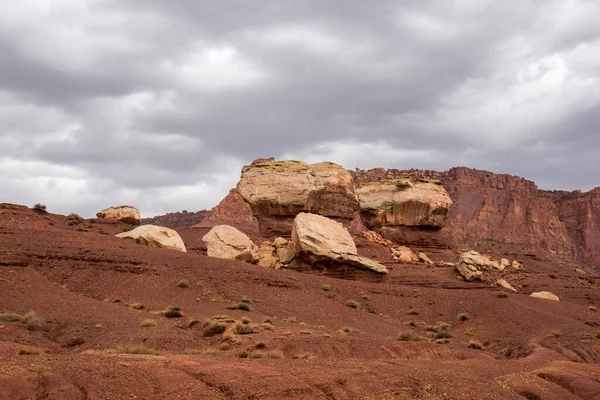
299	338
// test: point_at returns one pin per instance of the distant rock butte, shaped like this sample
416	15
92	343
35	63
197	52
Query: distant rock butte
505	209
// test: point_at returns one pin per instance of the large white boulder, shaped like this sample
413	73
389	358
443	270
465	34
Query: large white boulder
126	214
224	241
155	236
322	238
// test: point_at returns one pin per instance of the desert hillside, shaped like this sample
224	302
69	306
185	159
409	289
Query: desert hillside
336	284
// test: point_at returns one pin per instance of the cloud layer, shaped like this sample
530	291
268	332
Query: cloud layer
159	104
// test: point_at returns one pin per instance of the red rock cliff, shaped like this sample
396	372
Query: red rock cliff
510	210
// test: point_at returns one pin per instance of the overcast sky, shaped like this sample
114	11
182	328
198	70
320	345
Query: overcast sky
159	103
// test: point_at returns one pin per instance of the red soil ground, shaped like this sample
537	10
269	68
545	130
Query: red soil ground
84	284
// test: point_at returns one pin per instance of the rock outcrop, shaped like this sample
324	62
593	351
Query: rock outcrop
126	214
320	239
276	191
404	202
505	285
508	210
403	254
233	211
227	242
155	236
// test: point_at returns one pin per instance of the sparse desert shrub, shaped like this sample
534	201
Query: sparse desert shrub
10	317
127	228
225	346
34	322
553	276
502	295
212	328
136	349
260	346
149	323
82	229
306	332
476	344
39	207
347	329
75	218
246	321
243	329
183	284
136	306
25	352
247	300
440	331
325	288
555	333
413	312
408	336
268	327
243	306
173	312
352	304
462	317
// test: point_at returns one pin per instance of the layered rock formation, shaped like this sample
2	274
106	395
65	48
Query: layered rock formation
271	193
505	210
404	202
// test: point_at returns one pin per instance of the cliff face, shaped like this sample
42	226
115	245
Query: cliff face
513	211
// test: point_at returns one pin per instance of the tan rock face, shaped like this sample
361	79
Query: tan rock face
321	238
232	211
126	214
545	295
425	259
504	284
227	242
404	202
470	265
155	236
403	254
286	188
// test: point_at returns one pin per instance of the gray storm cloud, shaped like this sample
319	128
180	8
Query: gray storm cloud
159	104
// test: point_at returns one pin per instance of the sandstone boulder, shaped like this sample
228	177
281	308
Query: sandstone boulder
517	265
280	242
266	256
424	259
470	265
155	236
404	202
504	263
285	254
126	214
403	254
320	238
545	295
286	188
502	283
227	242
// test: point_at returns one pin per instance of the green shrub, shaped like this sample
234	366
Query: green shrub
39	207
173	312
243	306
127	228
211	328
183	284
352	304
441	330
149	323
462	317
243	329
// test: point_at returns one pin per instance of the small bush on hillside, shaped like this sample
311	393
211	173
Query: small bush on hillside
408	336
247	300
136	306
243	329
127	228
325	288
352	304
243	306
211	328
476	344
173	312
39	207
82	229
149	323
25	352
502	295
413	312
440	331
183	284
74	219
34	322
462	317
